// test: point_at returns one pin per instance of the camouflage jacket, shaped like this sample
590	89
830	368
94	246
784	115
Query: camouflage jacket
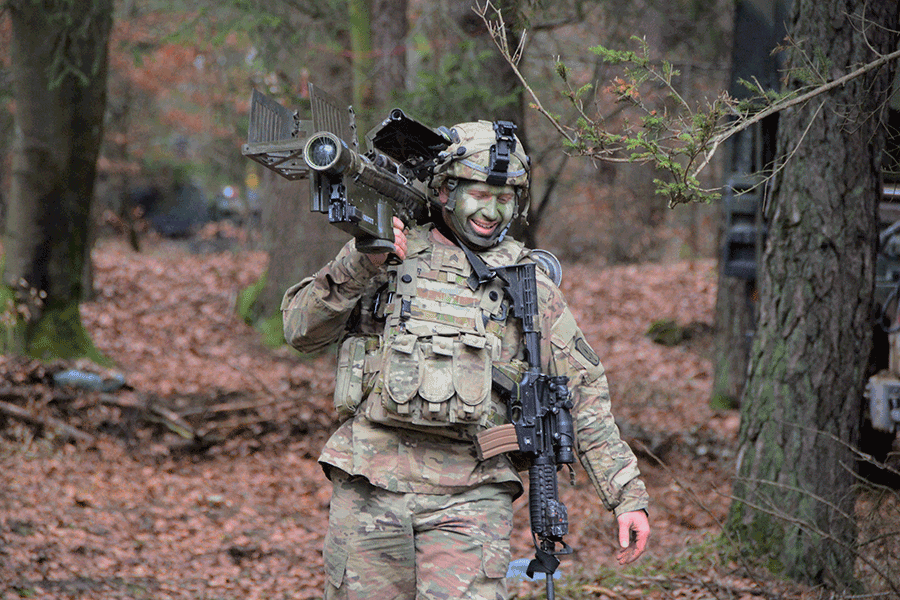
340	298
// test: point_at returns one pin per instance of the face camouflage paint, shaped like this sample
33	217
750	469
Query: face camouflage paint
481	212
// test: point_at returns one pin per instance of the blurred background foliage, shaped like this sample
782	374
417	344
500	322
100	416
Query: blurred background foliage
181	75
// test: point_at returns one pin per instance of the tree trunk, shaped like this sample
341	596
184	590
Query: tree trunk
378	30
298	241
59	65
794	498
360	17
390	26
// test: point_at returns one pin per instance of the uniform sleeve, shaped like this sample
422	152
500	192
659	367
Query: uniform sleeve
316	310
608	460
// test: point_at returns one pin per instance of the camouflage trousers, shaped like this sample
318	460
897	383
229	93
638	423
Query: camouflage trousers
386	545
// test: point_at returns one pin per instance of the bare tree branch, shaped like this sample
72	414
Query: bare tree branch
682	142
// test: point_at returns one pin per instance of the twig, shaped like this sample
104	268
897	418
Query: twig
50	423
715	518
498	34
156	412
707	147
603	591
244	372
704	582
746	122
224	407
772	510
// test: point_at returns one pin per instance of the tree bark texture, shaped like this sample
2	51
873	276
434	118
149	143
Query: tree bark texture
298	241
59	66
390	27
794	499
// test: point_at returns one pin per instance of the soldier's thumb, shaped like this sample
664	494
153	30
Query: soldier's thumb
625	534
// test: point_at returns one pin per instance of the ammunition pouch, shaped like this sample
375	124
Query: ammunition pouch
358	363
442	383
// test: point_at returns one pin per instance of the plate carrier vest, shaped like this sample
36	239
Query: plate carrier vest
431	368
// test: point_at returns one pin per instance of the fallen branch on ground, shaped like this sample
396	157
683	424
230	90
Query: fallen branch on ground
46	422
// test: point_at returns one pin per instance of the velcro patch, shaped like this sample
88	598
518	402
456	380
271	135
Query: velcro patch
585	350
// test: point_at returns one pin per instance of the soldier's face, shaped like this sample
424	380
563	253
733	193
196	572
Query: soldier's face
481	211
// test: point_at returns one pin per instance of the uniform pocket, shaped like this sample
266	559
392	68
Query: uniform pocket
335	558
495	558
437	379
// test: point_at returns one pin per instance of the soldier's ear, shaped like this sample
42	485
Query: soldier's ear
443	195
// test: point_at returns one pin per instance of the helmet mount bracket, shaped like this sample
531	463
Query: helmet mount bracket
501	152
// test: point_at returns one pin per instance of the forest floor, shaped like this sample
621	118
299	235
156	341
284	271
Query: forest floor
198	479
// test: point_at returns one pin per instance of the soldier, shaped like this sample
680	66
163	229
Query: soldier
414	512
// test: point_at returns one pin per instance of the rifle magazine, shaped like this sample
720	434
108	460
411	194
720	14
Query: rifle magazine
496	440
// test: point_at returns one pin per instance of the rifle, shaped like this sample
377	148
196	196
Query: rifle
360	193
540	427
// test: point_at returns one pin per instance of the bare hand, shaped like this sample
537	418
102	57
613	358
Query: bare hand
399	244
634	531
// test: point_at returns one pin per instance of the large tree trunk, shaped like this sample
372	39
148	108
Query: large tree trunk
390	27
794	498
59	64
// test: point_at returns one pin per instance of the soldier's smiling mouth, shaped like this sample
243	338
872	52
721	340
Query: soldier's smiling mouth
483	228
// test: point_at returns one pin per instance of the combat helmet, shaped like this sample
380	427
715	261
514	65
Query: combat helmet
488	152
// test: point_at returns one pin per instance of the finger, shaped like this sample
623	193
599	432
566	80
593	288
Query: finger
624	533
627	556
643	535
400	243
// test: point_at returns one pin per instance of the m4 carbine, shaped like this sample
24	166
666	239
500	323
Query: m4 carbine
540	428
360	192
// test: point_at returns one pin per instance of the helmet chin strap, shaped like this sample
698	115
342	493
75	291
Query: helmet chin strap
452	185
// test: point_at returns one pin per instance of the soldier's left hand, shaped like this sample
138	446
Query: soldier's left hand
634	531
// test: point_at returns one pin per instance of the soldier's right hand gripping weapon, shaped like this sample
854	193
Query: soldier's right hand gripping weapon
539	412
360	193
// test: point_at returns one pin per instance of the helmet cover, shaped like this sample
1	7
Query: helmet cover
487	152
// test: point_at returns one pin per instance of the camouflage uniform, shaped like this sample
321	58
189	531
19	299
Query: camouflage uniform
415	513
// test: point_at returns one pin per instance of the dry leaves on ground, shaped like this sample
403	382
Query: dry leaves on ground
143	512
